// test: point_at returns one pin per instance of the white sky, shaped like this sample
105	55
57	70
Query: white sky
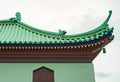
74	16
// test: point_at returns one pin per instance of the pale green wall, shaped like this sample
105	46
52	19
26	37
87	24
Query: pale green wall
63	72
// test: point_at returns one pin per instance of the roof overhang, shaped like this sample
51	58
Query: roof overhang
22	43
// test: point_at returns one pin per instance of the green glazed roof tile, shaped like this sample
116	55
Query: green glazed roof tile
91	38
13	31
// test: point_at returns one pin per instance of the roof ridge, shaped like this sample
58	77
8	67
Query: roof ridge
108	18
104	25
25	33
57	34
38	30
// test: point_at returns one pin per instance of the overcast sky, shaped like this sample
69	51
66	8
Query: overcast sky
74	16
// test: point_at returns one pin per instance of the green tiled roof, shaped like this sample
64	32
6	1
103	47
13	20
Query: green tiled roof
13	31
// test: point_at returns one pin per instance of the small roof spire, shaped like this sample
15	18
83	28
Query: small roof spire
62	33
18	16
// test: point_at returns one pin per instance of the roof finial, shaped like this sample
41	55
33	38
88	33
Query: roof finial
62	33
106	21
18	16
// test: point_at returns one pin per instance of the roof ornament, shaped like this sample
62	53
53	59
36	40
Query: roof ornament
17	18
106	21
62	33
104	50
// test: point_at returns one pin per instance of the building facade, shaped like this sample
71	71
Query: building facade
24	48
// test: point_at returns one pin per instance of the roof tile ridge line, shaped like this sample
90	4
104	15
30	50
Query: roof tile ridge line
39	30
4	20
97	28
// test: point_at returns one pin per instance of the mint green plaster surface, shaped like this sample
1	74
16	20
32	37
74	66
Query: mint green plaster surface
63	72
